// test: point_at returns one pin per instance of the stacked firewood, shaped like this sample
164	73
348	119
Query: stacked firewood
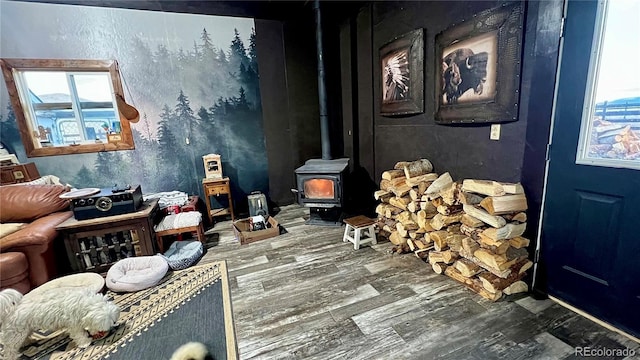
470	231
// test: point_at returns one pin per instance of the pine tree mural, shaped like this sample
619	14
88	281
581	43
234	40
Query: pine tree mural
198	89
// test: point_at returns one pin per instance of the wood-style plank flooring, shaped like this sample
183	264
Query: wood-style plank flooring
307	295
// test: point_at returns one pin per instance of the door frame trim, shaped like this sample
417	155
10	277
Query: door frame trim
565	5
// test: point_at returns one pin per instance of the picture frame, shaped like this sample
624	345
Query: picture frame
477	69
402	75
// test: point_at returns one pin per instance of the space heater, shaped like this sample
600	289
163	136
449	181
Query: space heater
258	204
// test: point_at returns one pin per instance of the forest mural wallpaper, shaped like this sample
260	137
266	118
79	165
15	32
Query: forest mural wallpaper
194	79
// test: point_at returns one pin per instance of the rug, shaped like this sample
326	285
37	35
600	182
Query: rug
188	305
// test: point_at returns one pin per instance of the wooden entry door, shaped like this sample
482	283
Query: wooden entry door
590	244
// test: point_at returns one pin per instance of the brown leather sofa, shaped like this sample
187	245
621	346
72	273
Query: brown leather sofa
27	257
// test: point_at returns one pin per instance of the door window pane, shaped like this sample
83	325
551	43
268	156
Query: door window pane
610	132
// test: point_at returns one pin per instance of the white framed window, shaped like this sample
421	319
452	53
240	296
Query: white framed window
610	128
63	107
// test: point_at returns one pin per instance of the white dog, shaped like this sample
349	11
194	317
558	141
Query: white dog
81	312
192	351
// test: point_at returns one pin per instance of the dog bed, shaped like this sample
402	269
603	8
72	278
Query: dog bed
182	254
88	280
136	273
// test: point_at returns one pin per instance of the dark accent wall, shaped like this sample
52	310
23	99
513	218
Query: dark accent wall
377	142
464	151
290	100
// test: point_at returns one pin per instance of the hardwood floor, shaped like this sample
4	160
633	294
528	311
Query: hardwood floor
307	295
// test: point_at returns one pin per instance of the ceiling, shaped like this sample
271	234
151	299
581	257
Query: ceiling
265	9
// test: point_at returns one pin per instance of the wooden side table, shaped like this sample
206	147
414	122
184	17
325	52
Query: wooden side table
216	187
96	244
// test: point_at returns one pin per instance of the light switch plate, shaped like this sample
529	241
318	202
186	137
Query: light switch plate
495	132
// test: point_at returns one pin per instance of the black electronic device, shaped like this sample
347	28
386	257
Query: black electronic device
107	203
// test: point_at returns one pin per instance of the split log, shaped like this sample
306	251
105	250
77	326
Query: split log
396	239
467	267
404	228
484	187
412	246
519	217
413	206
492	260
469	246
425	224
470	221
476	286
491	188
439	221
446	256
439	239
438	268
440	183
429	209
455	242
421	245
480	214
500	261
426	178
404	216
495	246
382	195
400	165
516	287
499	205
494	283
418	167
383	209
511	188
400	190
400	202
454	229
388	184
473	233
422	186
519	242
506	232
449	194
467	198
449	209
435	202
392	174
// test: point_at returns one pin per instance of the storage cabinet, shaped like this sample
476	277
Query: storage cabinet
96	244
14	174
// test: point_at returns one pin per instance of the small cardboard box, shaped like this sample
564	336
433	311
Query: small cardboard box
243	234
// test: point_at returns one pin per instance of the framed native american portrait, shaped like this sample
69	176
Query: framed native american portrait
477	70
402	75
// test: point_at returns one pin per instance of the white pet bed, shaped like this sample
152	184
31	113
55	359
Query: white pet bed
136	273
182	254
92	281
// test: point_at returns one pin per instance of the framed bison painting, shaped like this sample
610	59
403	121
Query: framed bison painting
477	76
402	75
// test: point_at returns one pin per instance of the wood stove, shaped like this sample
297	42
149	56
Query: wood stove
320	186
320	182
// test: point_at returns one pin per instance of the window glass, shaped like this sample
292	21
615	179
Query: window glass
610	134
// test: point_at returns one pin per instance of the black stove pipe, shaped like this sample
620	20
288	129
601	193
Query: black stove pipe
322	90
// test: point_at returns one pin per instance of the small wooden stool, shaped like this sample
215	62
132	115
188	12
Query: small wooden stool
353	231
198	229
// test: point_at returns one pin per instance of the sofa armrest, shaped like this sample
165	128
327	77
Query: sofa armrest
39	232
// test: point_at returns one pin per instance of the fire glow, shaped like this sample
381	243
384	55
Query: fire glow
319	189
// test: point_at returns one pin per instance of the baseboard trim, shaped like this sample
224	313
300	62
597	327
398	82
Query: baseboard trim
594	319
